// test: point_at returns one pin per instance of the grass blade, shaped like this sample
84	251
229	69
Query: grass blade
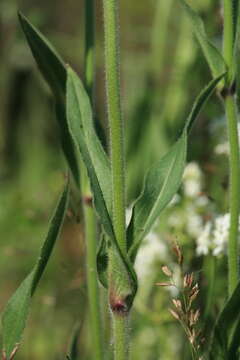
224	325
83	133
163	179
211	53
16	312
54	72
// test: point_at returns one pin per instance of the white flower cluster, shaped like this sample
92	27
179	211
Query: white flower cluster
151	251
187	218
214	237
192	180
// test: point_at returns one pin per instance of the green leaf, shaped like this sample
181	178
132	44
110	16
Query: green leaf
102	261
234	346
226	322
16	312
161	183
163	179
211	53
82	127
79	119
53	70
73	349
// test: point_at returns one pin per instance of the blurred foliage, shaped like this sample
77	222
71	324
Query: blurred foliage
162	72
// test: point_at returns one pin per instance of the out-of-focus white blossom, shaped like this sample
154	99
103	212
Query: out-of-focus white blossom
151	251
192	180
214	238
222	149
201	201
194	223
221	234
204	241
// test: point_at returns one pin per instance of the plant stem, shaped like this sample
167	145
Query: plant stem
90	222
233	247
228	38
231	114
115	118
210	264
89	46
93	290
112	68
120	332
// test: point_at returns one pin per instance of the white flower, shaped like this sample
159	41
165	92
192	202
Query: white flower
222	149
221	234
201	201
204	240
192	180
151	251
214	237
194	225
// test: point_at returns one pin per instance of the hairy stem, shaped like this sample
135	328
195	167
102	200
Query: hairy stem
233	247
120	332
90	222
112	68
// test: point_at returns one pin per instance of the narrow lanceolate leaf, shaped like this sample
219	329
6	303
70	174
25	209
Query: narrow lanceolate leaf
161	183
53	70
225	324
82	127
211	53
82	131
16	312
163	179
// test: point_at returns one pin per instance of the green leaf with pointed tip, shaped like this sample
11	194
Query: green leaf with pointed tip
211	53
83	133
163	180
53	70
16	312
81	126
222	335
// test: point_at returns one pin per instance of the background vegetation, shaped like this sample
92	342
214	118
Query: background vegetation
162	72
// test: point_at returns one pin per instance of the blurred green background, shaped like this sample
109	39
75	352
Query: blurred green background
162	72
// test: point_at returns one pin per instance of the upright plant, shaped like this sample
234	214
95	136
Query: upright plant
106	175
218	63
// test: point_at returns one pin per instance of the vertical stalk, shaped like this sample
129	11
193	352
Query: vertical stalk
210	264
228	38
115	118
112	68
90	223
120	338
234	192
93	289
231	114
